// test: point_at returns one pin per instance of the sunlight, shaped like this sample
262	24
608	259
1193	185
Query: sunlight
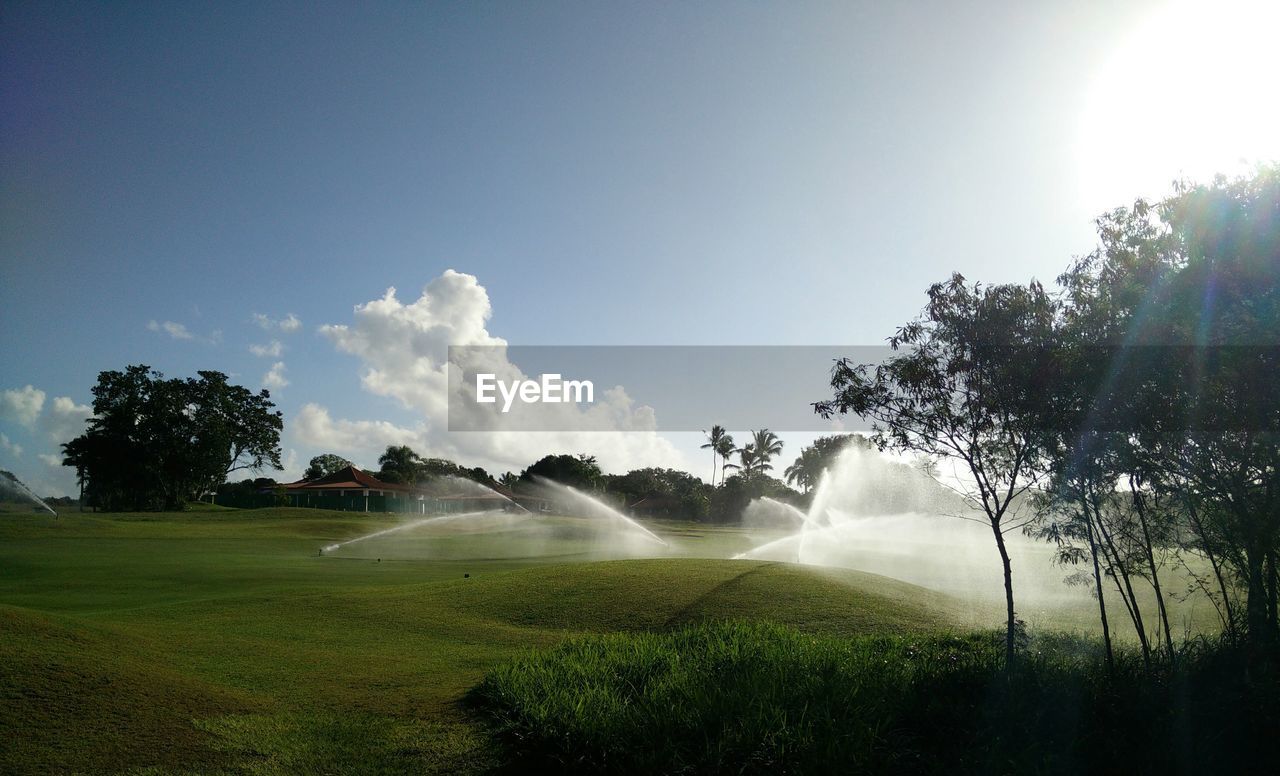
1189	93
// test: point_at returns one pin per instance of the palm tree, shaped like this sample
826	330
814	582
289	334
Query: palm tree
806	470
748	460
399	465
714	439
767	445
725	449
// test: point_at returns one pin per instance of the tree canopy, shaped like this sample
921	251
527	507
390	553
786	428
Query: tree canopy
324	465
154	443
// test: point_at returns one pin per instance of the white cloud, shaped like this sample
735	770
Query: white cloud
12	448
404	351
172	328
22	405
50	460
274	378
290	463
287	324
315	427
65	419
179	331
271	350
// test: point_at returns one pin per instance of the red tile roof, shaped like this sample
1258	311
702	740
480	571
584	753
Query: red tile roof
349	478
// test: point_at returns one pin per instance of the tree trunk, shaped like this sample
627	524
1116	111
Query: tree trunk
1272	612
1207	544
1139	504
1257	604
1097	582
1119	573
1011	621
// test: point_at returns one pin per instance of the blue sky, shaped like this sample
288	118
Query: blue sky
609	173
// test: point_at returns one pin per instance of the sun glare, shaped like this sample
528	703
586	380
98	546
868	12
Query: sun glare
1190	92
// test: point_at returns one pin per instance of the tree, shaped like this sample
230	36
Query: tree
691	494
324	465
748	462
1181	307
715	438
577	471
805	470
153	442
766	445
725	448
242	422
400	465
814	460
967	381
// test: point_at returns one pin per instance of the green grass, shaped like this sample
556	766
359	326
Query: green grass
740	697
218	641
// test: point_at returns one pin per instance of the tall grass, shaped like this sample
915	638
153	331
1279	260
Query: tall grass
752	697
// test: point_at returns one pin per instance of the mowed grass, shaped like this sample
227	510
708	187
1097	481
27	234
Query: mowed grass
217	641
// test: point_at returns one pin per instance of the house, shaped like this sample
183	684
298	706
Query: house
353	490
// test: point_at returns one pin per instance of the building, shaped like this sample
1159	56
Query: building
353	490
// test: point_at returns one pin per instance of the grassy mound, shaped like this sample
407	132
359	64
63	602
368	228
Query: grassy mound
221	642
658	594
84	698
752	697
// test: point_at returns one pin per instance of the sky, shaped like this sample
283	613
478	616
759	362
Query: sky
237	186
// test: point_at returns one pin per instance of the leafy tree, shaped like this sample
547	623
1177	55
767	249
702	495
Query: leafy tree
577	471
324	465
400	465
690	493
1179	310
817	458
153	442
734	494
968	382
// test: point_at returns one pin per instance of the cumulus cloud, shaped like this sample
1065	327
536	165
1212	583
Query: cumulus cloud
270	350
22	405
65	419
50	460
274	378
172	328
9	447
287	324
315	427
403	348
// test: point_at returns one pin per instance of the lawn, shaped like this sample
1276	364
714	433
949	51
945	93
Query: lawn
222	641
